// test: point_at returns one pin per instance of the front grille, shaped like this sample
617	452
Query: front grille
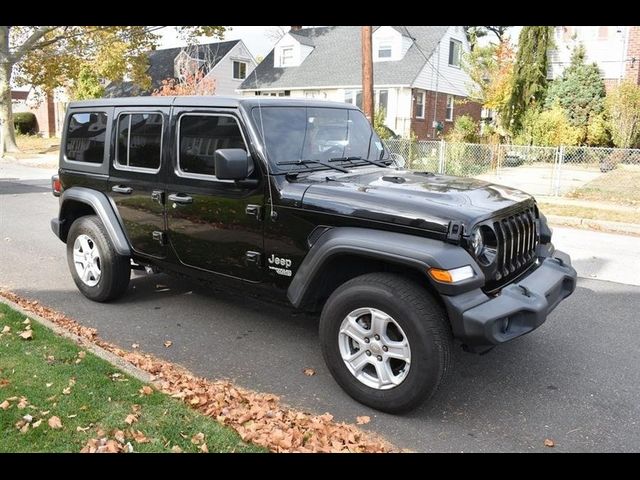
517	238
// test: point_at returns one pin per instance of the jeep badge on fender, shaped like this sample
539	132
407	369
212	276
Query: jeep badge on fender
301	202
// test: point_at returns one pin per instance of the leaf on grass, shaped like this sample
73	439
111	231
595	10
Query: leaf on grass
27	335
197	438
167	344
72	416
131	419
204	448
309	372
36	424
28	327
24	428
55	423
49	385
26	321
82	429
362	420
66	391
6	329
28	418
4	405
139	437
135	345
146	390
176	449
4	382
82	354
22	403
119	436
549	443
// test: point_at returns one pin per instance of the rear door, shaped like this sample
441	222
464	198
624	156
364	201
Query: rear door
213	225
136	181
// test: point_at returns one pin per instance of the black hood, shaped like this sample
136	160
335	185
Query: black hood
403	197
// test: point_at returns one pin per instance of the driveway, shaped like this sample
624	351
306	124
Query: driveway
575	380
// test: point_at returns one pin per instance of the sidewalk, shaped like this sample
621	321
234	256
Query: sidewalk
39	167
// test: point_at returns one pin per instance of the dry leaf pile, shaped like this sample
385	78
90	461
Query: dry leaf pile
259	418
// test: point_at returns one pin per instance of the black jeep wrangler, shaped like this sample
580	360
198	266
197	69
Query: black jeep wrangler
301	201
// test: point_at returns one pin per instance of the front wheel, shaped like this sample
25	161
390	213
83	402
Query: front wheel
97	269
386	341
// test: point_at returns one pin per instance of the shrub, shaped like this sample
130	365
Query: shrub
464	130
548	128
25	123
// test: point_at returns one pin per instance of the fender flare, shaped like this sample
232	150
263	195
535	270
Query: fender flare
100	204
412	251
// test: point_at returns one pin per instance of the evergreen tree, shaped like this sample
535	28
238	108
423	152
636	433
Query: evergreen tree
579	92
530	74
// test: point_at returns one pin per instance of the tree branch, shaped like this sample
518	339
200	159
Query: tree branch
30	42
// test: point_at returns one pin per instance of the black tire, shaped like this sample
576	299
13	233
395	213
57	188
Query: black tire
115	269
419	315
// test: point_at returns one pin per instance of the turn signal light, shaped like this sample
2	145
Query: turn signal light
56	185
451	276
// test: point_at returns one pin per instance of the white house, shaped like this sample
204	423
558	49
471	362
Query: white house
227	63
418	79
615	49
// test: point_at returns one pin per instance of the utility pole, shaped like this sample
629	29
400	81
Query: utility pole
367	74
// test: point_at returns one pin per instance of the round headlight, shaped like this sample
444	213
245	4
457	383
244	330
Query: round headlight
477	242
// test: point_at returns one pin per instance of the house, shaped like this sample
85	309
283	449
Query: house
49	109
418	79
616	51
228	63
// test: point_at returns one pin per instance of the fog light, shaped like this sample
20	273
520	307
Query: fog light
452	276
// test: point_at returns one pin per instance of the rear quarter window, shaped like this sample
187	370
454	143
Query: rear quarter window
85	138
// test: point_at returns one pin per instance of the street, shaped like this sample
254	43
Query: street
575	380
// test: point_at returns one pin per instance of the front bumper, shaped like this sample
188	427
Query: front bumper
481	322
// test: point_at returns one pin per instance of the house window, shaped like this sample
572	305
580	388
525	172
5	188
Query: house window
455	50
420	105
286	57
449	113
384	50
239	70
382	97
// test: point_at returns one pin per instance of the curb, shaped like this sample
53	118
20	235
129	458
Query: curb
606	225
86	344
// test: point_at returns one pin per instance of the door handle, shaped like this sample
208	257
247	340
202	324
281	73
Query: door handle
180	198
122	189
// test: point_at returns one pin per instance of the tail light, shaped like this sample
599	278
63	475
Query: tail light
56	185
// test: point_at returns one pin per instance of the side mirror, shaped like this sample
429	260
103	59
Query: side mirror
232	164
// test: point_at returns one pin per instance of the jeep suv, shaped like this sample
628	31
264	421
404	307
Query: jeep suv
301	201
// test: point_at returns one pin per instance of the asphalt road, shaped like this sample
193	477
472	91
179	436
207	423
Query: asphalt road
575	380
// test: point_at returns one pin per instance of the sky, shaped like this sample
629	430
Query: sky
256	38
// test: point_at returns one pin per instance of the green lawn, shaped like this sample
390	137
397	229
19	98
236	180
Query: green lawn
50	376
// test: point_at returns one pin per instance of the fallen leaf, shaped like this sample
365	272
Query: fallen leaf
6	329
72	416
131	418
55	423
24	428
128	448
28	418
36	424
204	448
197	438
22	403
146	390
167	344
135	345
4	405
309	372
84	407
26	321
44	412
28	327
82	429
176	449
66	391
27	335
139	437
195	400
549	443
4	382
119	436
362	420
49	385
72	381
82	354
113	446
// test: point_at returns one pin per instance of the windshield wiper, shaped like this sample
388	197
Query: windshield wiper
319	162
372	162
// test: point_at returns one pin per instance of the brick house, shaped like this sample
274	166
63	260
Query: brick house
49	109
616	51
418	79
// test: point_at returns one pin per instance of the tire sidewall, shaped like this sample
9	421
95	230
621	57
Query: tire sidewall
425	371
88	226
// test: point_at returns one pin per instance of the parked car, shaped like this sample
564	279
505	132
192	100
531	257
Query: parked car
300	201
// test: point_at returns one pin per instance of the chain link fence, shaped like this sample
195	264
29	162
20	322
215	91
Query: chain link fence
610	173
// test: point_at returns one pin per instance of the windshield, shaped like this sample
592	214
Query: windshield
316	134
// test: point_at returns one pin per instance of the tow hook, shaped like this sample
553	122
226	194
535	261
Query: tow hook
525	291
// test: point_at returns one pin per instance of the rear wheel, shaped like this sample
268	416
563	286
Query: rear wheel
386	341
97	269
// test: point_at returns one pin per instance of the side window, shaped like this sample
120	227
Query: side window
85	137
139	140
199	138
